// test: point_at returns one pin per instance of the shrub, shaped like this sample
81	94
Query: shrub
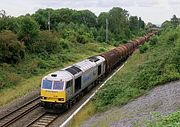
29	30
65	44
143	48
172	120
102	49
13	78
82	39
11	50
47	42
153	40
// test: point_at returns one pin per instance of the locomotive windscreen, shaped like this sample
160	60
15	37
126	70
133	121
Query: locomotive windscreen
58	85
47	84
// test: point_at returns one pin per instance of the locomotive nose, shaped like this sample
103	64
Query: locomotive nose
53	96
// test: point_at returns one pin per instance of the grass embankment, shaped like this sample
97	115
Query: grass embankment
157	64
173	120
18	80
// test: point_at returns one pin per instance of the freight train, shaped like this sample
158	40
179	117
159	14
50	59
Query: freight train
61	89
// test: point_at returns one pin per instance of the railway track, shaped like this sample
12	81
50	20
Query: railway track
18	113
44	120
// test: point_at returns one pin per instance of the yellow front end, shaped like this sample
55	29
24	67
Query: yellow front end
53	96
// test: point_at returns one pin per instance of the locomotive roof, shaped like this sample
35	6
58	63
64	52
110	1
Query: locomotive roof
76	69
85	65
89	63
59	75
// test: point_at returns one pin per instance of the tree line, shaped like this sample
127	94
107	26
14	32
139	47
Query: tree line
28	34
172	23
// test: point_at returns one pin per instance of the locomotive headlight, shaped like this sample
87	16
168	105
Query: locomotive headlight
60	99
43	97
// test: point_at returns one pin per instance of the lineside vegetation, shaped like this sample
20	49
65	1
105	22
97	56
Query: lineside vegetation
156	63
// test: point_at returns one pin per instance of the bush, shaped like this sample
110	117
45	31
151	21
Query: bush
29	30
102	49
153	40
11	50
82	39
47	42
172	120
143	48
65	44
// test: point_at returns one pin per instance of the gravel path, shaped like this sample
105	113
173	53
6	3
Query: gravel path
163	99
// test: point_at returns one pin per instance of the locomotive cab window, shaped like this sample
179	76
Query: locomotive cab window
69	84
47	84
58	85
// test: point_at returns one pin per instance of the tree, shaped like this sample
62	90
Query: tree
11	50
102	19
166	24
46	43
175	21
118	23
8	22
150	25
29	30
134	24
2	13
85	17
141	23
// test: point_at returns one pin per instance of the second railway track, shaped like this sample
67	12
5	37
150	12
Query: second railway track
44	120
20	112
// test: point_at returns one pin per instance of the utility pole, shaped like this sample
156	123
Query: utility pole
49	21
107	29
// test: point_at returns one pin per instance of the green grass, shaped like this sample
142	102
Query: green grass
82	115
172	120
18	80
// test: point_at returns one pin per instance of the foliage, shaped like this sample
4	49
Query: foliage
143	48
11	50
153	40
160	64
46	43
9	23
172	120
173	23
102	19
118	23
134	24
150	44
28	31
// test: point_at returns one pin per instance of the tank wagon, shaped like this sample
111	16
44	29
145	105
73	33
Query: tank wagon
61	89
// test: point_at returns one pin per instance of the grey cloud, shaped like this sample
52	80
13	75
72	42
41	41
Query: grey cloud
70	3
121	3
174	2
145	3
88	4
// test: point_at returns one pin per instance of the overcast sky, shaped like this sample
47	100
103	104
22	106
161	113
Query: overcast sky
155	11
